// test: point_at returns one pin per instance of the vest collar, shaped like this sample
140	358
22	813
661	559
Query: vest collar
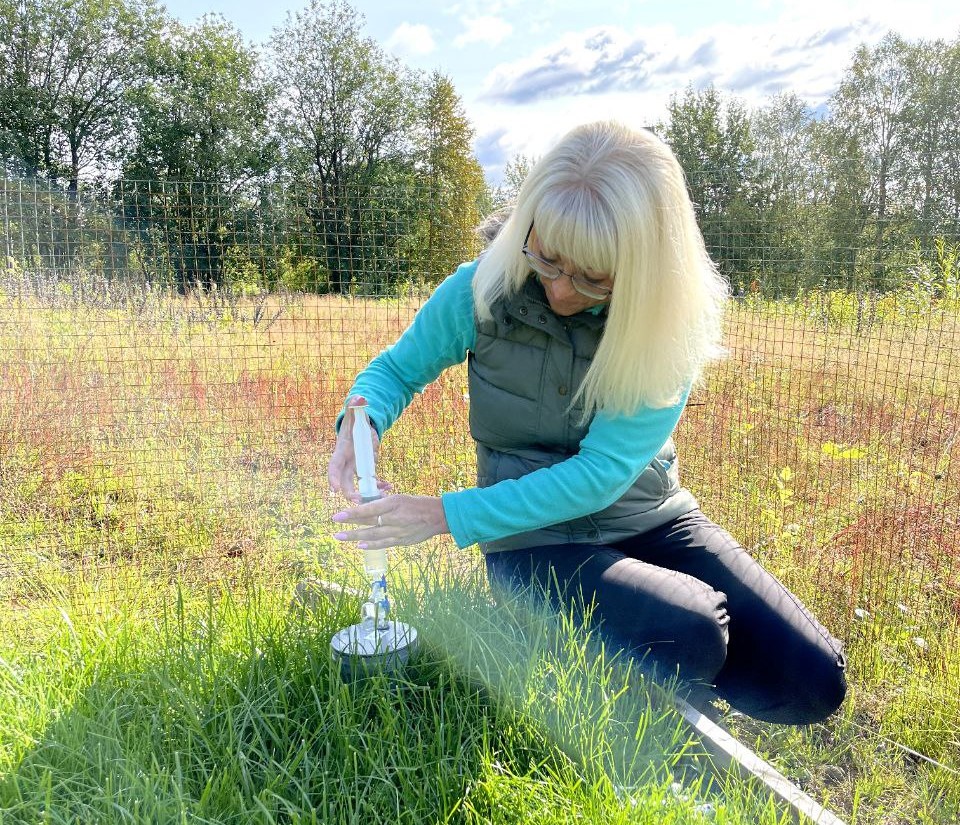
530	306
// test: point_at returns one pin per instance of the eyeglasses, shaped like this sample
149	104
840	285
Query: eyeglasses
550	271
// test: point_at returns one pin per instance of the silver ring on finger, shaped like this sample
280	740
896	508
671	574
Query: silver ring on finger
379	521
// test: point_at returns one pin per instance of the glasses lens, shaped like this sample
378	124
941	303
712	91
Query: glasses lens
551	272
541	267
589	290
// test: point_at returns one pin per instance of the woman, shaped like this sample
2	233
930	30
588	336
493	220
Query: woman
585	323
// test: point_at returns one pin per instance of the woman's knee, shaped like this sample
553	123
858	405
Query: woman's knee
804	693
703	645
688	643
823	691
816	680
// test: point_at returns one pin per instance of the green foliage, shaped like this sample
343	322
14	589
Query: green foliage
514	174
712	140
56	235
65	69
925	286
364	163
301	274
452	184
201	109
934	277
789	201
347	111
368	165
202	139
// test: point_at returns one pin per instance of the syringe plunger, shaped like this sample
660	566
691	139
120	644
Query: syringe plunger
363	452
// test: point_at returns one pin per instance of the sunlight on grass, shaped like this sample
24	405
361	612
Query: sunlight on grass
222	709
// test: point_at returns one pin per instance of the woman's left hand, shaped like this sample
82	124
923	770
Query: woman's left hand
393	521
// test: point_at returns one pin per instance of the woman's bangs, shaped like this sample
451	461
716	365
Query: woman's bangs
580	236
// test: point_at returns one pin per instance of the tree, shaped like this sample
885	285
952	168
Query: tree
452	180
514	174
712	141
869	107
65	70
347	112
931	134
947	111
782	133
201	111
202	142
27	86
864	166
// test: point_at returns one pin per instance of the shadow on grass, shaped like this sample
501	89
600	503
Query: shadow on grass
229	710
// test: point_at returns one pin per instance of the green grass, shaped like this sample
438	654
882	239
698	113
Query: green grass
227	709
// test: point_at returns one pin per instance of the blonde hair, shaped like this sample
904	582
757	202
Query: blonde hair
614	200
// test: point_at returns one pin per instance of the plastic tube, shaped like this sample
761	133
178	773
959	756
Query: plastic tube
363	451
377	606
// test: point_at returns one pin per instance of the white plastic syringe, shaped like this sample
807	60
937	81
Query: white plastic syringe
363	451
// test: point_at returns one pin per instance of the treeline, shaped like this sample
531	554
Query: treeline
131	143
864	195
202	157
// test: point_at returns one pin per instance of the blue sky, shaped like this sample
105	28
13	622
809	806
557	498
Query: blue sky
528	70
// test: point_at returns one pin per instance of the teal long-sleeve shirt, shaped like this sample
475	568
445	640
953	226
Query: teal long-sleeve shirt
614	452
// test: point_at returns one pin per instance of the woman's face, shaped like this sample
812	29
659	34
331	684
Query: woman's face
563	298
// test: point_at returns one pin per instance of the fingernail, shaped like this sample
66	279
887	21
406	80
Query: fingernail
339	516
340	536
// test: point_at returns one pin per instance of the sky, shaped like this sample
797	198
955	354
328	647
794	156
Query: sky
529	70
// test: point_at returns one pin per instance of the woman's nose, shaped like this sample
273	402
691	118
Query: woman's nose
562	287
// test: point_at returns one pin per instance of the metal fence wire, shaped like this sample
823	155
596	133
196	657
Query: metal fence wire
172	359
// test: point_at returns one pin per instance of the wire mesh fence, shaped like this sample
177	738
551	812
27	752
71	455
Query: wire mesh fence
173	356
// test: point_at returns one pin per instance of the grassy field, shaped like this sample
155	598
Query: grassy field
162	492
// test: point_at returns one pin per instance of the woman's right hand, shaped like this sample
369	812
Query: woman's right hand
342	470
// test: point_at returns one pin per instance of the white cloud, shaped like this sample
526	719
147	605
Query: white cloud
919	19
410	39
507	136
489	30
593	61
611	73
752	62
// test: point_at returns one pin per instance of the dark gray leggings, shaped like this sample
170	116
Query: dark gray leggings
689	597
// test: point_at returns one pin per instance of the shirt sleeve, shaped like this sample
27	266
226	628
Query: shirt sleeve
441	333
615	450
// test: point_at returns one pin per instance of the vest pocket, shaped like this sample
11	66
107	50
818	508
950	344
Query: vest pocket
499	418
516	368
667	466
661	470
